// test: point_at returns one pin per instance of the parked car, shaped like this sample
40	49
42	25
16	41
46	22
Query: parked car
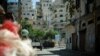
48	44
37	44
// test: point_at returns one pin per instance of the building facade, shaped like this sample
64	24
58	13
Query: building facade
27	9
86	24
39	18
59	17
47	13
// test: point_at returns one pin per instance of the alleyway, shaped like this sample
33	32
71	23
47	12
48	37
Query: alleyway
60	52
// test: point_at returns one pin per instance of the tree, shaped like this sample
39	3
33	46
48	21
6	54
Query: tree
71	8
38	33
27	26
50	34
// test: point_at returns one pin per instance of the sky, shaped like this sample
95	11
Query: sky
34	2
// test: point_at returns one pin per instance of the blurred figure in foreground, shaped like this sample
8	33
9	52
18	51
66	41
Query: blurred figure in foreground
10	42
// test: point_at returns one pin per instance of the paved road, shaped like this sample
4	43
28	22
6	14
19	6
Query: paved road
48	52
59	52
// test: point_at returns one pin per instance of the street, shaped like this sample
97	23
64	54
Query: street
59	52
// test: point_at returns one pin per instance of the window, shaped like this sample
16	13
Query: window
60	29
67	41
49	4
61	6
26	4
70	40
61	21
29	7
47	1
55	25
15	3
98	18
60	10
55	10
83	24
90	22
89	1
87	8
56	16
44	4
34	23
38	23
32	14
77	4
29	1
61	15
21	4
12	3
27	13
66	7
62	24
24	14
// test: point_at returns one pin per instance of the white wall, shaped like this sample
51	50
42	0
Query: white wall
46	11
27	9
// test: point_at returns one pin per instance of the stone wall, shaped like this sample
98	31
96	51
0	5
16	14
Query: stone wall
69	30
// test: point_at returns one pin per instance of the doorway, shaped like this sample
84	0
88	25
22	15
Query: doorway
82	40
97	42
74	41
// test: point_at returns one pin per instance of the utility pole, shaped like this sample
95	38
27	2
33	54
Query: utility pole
19	14
94	17
19	11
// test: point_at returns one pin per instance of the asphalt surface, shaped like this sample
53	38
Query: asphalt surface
60	52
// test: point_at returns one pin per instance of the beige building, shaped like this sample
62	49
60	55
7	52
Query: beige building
46	12
27	9
59	17
39	22
70	29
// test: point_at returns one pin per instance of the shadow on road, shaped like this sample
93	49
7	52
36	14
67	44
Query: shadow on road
47	55
65	52
71	53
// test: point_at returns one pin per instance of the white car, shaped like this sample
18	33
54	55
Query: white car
37	44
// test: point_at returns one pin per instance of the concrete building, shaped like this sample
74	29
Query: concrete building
39	18
58	2
86	25
46	4
59	17
69	27
27	9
